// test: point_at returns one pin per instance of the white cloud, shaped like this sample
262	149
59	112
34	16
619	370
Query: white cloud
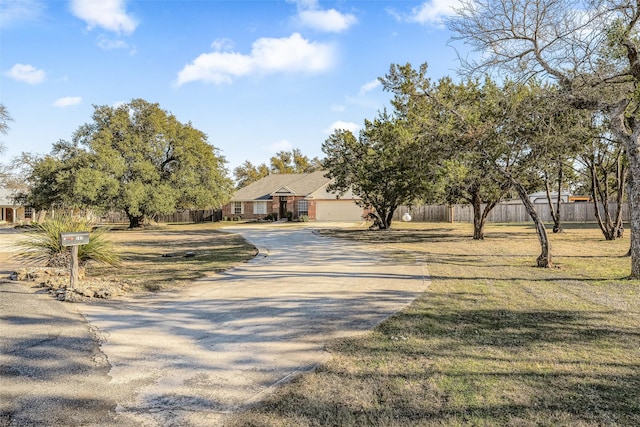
368	87
108	14
216	67
67	101
338	108
268	55
26	73
330	20
13	12
305	4
350	126
283	145
433	11
222	44
106	43
311	16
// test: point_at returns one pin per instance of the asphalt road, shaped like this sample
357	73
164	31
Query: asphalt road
192	357
51	366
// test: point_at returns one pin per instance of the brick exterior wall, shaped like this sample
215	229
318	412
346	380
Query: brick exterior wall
273	208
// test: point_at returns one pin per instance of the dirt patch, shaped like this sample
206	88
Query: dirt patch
57	282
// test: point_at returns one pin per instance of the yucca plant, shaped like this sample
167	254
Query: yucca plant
42	243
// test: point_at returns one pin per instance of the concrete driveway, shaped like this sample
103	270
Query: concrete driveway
194	356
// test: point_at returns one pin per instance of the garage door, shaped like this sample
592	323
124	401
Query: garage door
338	210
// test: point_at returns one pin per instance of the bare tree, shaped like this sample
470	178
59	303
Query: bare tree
4	127
590	47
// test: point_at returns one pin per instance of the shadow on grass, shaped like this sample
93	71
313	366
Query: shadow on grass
454	366
433	235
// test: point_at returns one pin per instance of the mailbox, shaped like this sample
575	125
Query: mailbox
74	239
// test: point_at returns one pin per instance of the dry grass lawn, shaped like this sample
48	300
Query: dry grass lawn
154	258
494	341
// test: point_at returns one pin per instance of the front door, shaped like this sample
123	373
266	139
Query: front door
283	207
9	215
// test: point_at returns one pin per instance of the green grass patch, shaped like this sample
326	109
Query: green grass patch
494	340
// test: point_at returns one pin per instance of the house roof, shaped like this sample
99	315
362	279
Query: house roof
282	184
6	197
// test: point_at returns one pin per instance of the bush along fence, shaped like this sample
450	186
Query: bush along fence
190	216
506	212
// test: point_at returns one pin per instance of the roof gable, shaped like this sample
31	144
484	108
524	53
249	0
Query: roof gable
6	197
283	191
302	184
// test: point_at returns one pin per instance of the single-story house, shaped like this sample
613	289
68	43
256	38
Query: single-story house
300	195
9	211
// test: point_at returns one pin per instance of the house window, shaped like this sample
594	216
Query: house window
237	208
28	213
303	207
260	208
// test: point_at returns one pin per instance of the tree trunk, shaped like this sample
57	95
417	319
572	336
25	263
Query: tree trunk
382	217
479	216
621	176
600	194
378	219
390	216
555	211
135	221
552	210
596	201
544	260
634	208
478	223
631	139
557	227
478	229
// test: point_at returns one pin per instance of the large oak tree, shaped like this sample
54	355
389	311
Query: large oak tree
135	157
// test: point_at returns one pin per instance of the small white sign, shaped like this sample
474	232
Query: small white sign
74	239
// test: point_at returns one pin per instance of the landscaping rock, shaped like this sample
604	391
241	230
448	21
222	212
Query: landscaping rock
103	293
85	292
56	281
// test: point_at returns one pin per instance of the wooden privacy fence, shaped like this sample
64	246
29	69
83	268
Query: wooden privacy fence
183	216
506	212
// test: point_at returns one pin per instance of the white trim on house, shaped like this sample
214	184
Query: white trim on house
283	191
259	207
235	206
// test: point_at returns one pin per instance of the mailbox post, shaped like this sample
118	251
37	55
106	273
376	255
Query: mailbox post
74	240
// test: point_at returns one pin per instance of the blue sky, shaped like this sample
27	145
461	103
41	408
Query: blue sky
256	76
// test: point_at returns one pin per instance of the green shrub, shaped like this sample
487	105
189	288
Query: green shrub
42	243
